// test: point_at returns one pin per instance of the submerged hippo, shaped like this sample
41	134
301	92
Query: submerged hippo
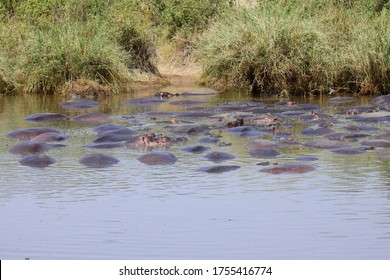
49	137
326	144
28	133
219	168
105	145
46	117
350	151
165	94
260	143
80	104
306	158
151	140
317	131
219	156
103	128
30	148
289	168
195	149
190	129
380	143
158	158
91	117
40	161
263	153
115	135
98	160
347	137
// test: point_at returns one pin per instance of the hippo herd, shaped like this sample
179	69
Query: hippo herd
266	128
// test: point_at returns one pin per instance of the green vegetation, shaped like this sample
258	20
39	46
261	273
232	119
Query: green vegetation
46	44
297	47
273	47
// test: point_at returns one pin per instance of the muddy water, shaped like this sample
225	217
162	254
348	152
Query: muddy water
339	210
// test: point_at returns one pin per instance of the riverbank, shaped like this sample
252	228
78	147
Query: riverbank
269	47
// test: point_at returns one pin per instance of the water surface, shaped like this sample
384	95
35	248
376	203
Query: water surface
341	210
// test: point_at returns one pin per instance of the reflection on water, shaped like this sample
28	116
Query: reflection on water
135	211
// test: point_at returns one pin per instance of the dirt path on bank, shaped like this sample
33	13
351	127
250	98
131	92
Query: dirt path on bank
171	75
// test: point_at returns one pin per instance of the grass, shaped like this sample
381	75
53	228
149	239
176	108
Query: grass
48	44
300	47
269	47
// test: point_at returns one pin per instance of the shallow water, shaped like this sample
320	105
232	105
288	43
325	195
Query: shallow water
341	210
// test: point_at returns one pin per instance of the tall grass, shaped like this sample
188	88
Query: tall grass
299	47
70	52
51	42
275	46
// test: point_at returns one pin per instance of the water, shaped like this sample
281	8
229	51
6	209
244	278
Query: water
135	211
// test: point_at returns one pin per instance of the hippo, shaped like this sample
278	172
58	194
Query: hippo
98	160
380	143
115	135
40	161
159	113
190	129
160	141
112	137
306	158
347	137
29	133
219	156
219	168
235	123
350	151
352	127
157	158
181	139
326	144
289	168
152	140
46	117
29	148
210	140
317	131
195	149
91	117
263	153
49	137
107	127
372	117
253	134
80	104
165	94
105	145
